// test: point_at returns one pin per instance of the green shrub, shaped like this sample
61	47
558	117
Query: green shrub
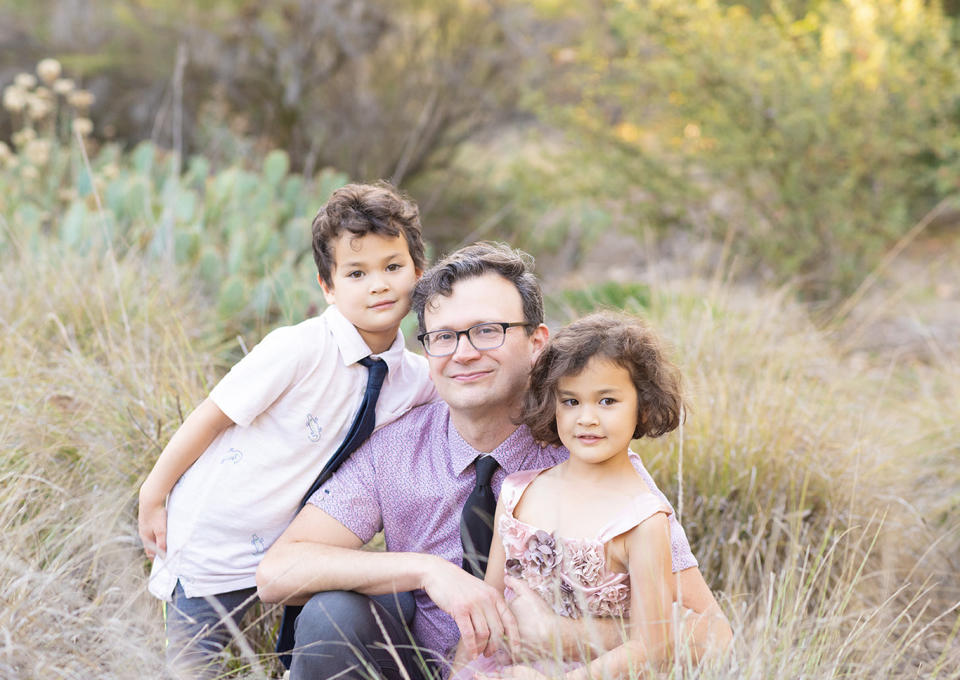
813	142
379	89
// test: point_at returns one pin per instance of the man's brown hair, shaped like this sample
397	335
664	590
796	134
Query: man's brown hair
477	259
362	209
622	340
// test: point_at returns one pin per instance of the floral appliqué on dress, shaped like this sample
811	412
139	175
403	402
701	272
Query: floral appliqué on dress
569	574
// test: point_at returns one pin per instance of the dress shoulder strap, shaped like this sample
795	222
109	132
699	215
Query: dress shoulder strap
640	509
514	485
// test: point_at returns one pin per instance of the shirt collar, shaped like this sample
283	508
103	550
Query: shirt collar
352	346
462	454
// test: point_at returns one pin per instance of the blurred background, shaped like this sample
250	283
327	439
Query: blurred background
776	183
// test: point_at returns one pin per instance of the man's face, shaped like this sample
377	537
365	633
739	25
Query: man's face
478	382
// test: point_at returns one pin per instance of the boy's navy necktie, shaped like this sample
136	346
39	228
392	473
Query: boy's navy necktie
361	428
476	521
362	425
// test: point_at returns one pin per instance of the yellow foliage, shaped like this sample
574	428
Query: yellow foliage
736	12
834	42
628	132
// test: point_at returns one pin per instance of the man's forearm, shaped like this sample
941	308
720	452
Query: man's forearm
291	572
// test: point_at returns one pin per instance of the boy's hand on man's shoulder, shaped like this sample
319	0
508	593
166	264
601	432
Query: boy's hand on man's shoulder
152	525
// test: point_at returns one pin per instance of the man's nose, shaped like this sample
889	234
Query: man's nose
465	351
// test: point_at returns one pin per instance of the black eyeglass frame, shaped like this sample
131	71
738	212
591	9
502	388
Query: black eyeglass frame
503	324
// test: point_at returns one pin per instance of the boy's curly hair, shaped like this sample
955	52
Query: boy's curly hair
625	341
363	209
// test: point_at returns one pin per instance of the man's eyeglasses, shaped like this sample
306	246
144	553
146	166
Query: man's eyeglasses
482	336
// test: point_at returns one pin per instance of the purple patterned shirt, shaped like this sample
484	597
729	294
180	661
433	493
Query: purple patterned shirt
411	479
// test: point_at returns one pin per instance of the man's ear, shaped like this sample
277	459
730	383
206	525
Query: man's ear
538	340
327	291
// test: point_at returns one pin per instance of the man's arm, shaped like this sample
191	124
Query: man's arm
708	628
289	570
317	553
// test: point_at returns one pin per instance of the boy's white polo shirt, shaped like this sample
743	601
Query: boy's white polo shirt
293	399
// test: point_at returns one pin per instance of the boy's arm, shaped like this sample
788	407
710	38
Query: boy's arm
189	441
317	553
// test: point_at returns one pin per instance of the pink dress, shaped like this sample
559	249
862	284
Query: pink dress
570	574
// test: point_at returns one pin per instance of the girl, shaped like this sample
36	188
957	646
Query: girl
587	535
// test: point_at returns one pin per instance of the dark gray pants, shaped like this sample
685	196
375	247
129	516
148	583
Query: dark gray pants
340	634
197	632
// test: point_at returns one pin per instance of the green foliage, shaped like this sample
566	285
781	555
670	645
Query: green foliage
633	298
813	141
244	235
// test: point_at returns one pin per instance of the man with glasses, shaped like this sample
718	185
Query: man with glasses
427	480
482	336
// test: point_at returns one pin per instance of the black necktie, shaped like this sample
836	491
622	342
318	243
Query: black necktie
362	425
361	428
476	522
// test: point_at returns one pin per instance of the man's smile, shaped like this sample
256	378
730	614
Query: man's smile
470	376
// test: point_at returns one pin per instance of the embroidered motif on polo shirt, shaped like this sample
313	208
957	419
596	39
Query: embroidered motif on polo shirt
313	425
258	545
233	456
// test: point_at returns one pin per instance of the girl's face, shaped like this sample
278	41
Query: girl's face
597	411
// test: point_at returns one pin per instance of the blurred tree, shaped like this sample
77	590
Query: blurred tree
811	133
373	88
813	141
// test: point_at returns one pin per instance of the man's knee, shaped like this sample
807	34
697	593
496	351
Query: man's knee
337	616
347	635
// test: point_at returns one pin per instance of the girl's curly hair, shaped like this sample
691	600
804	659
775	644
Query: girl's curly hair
623	340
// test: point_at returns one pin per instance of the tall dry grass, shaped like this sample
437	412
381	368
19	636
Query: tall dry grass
820	495
818	485
820	492
97	363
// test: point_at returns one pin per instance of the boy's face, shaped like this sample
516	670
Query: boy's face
373	277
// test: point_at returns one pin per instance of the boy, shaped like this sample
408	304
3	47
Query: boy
238	467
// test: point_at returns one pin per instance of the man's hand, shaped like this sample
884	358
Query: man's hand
152	526
478	609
